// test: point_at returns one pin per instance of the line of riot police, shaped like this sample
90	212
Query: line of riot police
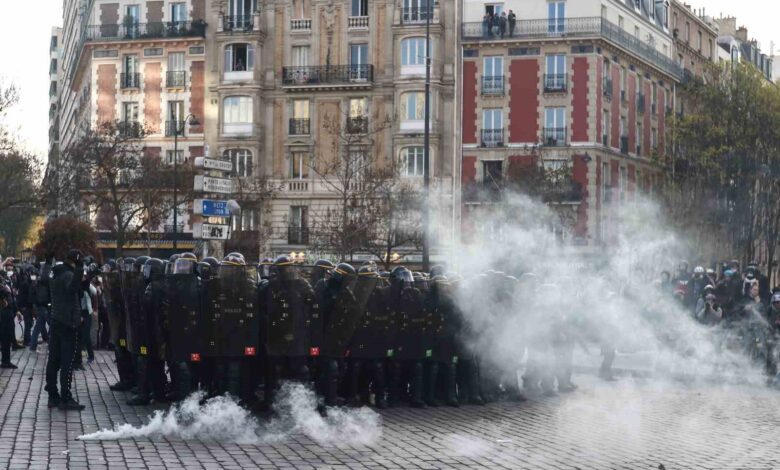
358	336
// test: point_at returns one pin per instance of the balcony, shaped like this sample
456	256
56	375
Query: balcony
129	80
300	24
415	15
129	129
238	23
555	83
493	85
297	235
608	89
298	186
328	76
357	22
640	103
624	145
586	27
554	136
492	137
300	126
357	125
562	192
132	31
170	228
176	79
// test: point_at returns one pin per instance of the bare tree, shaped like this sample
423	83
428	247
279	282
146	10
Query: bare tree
128	187
253	193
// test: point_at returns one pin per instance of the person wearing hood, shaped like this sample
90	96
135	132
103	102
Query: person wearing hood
65	323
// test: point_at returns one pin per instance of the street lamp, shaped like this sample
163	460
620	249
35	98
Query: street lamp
178	128
427	142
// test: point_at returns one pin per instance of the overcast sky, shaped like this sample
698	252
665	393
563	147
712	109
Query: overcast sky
24	52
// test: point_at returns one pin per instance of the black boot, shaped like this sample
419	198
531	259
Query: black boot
353	383
141	397
417	381
54	400
378	385
332	384
70	404
450	387
393	383
431	380
474	396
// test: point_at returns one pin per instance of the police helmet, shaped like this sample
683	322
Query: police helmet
238	257
324	264
367	270
128	264
140	262
437	270
698	270
189	255
183	266
284	267
776	297
233	259
204	270
264	268
402	277
342	271
152	268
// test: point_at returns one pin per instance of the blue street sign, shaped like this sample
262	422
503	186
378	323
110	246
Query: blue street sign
215	208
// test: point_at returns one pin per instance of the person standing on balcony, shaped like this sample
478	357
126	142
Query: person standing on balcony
512	18
486	25
502	24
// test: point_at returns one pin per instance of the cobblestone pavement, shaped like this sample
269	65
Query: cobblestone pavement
631	424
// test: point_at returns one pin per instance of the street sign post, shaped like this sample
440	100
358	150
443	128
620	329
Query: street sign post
212	164
211	208
208	184
210	231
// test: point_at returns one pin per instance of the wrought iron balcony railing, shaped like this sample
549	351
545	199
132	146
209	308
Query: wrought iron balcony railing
555	83
297	235
172	127
492	137
300	126
130	31
554	136
327	75
574	28
129	129
415	15
129	80
238	23
493	85
176	79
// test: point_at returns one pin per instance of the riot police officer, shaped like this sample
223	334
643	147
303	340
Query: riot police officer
150	339
320	272
112	293
406	368
443	324
289	304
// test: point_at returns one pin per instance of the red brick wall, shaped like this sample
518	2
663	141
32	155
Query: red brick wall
524	100
197	95
469	102
152	97
631	113
615	106
106	93
580	171
661	122
599	98
580	108
468	173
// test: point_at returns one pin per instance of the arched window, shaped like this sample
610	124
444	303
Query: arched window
241	160
237	115
412	161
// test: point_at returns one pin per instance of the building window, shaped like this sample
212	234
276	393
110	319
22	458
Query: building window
239	57
299	165
623	183
699	41
555	73
357	119
130	76
413	51
241	159
413	110
687	32
493	75
300	122
556	17
178	13
247	221
555	126
237	115
638	139
492	127
623	83
173	123
300	56
605	128
179	157
358	61
130	112
241	8
654	139
413	161
176	76
359	8
297	230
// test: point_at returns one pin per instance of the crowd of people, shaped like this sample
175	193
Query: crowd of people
499	24
359	336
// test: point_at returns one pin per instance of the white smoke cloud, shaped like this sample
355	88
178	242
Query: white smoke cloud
222	419
605	295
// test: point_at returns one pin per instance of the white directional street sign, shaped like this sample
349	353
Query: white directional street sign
210	231
208	184
212	164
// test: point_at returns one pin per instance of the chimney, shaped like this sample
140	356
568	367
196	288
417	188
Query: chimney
742	34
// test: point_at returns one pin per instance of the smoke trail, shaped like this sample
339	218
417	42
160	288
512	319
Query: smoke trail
222	419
